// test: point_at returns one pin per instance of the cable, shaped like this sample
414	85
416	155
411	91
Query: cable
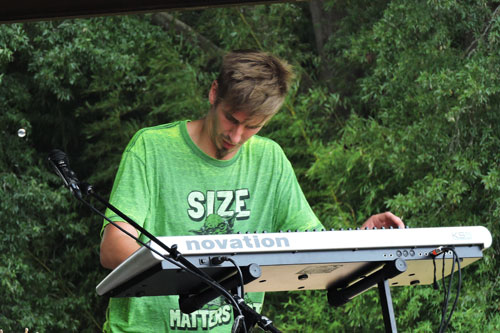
219	260
445	321
457	260
434	283
242	290
242	283
446	293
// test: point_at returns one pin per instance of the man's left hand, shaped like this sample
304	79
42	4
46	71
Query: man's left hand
383	220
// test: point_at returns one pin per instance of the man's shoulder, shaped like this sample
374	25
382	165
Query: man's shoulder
159	129
263	141
153	133
263	145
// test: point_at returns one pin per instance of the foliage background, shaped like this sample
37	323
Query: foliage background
395	108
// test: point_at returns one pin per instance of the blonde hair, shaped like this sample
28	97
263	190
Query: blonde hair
253	81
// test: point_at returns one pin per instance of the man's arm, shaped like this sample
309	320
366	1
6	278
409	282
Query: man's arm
383	220
116	246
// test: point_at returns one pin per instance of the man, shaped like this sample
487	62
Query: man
212	175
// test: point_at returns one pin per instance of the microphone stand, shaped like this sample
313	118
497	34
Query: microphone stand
172	251
252	317
249	315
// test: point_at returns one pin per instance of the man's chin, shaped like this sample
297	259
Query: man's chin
223	152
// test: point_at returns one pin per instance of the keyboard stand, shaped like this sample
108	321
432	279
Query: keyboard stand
387	308
339	294
198	297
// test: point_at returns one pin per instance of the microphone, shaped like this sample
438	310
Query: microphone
59	162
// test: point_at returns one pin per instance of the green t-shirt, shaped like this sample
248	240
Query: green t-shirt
170	187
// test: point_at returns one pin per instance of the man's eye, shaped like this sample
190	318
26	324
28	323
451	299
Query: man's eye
254	127
231	119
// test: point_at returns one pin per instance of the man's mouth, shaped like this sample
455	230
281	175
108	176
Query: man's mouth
227	145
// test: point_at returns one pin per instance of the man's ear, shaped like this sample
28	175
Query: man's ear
212	94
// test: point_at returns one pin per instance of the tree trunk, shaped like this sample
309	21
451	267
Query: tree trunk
324	24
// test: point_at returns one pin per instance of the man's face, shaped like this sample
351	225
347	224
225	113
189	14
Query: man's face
231	129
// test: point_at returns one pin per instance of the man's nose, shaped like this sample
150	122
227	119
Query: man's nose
237	133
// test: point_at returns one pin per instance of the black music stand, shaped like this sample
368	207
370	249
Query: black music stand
339	294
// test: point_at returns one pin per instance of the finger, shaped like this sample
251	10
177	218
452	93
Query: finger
395	220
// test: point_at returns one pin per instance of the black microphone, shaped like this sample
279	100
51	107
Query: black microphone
59	162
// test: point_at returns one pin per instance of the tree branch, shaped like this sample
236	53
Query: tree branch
167	21
472	47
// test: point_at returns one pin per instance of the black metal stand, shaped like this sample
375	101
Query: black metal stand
338	297
387	308
193	302
253	318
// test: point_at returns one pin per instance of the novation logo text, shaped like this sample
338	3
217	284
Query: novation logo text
244	242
